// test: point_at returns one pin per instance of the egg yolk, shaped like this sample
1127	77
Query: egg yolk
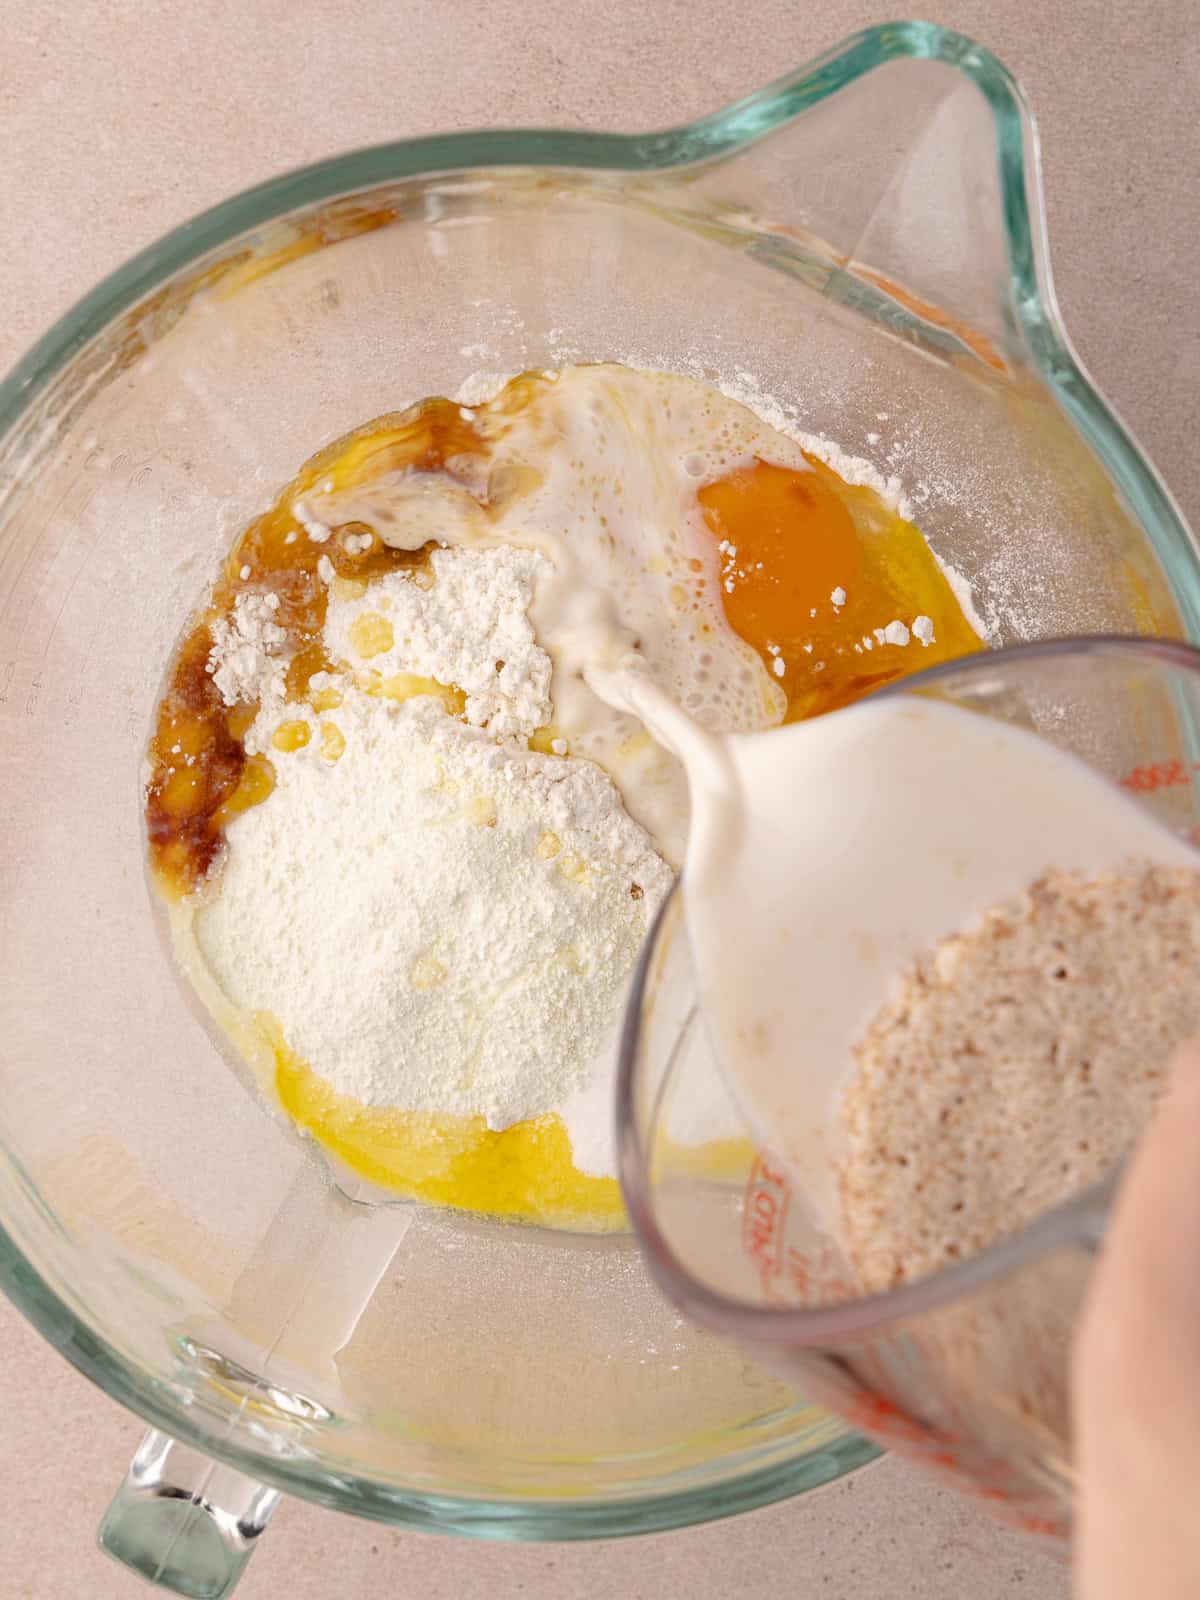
790	541
826	582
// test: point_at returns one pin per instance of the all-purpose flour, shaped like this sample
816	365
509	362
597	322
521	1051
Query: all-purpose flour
437	921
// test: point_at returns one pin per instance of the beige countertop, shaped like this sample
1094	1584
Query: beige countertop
119	119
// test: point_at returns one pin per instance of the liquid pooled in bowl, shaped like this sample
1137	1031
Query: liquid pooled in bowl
410	856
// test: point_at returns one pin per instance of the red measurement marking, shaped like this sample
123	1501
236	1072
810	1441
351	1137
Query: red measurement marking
1041	1525
874	1411
764	1219
1159	775
797	1271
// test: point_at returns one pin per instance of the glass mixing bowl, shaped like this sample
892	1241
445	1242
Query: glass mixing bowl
863	242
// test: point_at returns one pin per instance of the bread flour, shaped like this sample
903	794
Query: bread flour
1014	1065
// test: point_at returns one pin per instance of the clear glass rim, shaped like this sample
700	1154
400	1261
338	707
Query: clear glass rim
1077	1223
482	1517
706	141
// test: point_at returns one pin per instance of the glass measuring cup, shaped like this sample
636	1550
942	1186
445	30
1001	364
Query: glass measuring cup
964	1371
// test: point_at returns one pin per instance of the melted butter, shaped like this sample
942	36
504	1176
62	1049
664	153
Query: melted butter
548	741
409	686
525	1171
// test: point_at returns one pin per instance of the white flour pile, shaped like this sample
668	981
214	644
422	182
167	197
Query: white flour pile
435	920
246	663
438	918
468	627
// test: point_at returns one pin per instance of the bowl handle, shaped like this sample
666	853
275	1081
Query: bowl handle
185	1522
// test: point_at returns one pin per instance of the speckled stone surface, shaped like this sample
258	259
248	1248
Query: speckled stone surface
119	119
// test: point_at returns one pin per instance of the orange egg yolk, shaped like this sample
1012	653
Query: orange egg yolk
812	571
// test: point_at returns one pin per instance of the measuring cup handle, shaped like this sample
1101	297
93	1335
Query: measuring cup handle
185	1522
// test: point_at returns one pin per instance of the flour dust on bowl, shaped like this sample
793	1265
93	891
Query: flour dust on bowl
940	1019
172	1236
